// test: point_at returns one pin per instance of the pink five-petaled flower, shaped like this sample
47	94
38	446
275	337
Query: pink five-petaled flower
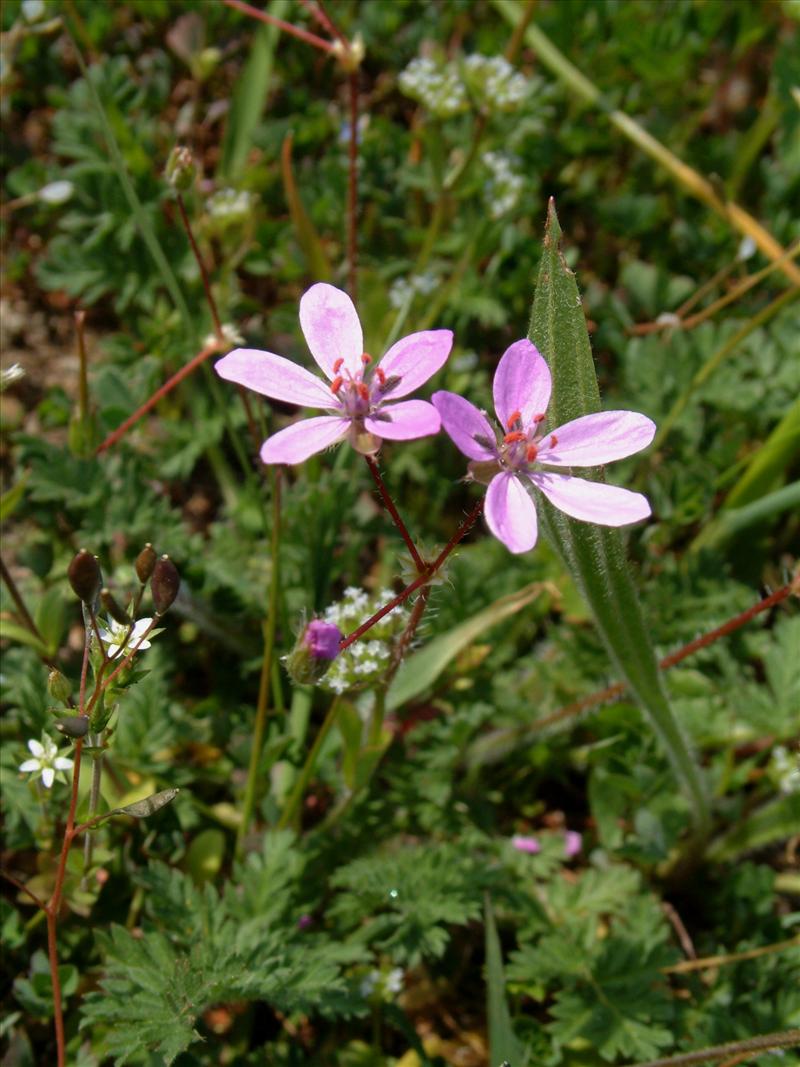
359	394
511	463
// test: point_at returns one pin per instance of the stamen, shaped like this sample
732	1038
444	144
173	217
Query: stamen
336	384
381	375
338	365
530	455
363	391
514	418
366	358
540	417
553	440
517	435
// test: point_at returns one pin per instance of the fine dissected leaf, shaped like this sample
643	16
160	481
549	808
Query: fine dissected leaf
595	555
420	670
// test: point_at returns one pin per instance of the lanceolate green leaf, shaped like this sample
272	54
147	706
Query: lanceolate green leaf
503	1043
595	555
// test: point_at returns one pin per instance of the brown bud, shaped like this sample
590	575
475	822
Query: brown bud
145	562
85	576
164	584
113	608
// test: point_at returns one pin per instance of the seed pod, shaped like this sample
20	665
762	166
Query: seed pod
73	725
180	170
85	576
58	687
113	608
164	584
145	562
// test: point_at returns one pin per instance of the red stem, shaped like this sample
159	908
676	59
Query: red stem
203	272
166	388
423	579
287	27
389	504
352	189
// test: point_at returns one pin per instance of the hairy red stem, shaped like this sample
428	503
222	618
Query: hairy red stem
389	504
287	27
212	304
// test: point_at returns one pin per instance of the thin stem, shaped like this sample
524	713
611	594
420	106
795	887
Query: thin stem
407	635
289	813
762	1043
317	11
23	888
212	304
83	360
734	957
287	27
423	579
266	668
352	188
389	504
204	354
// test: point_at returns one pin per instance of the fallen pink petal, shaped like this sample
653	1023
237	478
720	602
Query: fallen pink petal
360	393
511	461
523	843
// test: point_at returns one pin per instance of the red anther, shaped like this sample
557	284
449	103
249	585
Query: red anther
553	440
363	391
336	384
338	365
381	375
540	417
514	418
366	358
530	455
517	435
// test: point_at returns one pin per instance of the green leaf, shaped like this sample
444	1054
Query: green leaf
774	821
735	521
421	669
12	631
775	456
306	231
11	498
595	555
503	1044
250	97
205	855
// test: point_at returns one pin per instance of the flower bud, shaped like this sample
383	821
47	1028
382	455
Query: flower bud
111	606
73	725
145	562
58	687
314	652
180	170
85	576
164	584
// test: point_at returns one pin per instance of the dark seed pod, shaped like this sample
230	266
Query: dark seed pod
85	576
164	584
73	725
145	562
112	607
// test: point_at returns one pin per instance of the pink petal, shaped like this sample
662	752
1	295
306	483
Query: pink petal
525	843
331	328
510	513
275	376
607	505
405	421
302	439
464	423
416	358
521	383
595	439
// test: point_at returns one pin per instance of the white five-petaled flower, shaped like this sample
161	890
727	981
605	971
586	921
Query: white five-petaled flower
511	464
114	637
46	761
360	394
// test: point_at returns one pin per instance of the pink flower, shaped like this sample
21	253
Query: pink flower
573	842
512	463
359	394
522	843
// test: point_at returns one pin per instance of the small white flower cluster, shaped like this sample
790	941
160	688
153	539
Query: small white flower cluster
494	82
116	636
403	289
379	985
229	206
436	86
502	190
365	661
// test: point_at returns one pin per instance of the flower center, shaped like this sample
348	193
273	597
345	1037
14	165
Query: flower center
520	447
361	393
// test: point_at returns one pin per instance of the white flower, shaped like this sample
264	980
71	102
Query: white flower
46	760
114	637
56	192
